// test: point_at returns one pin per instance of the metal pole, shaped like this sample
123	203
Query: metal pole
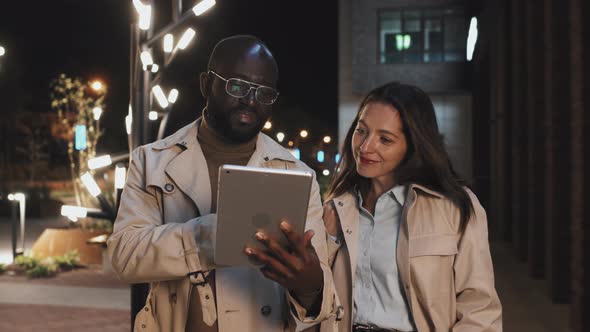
14	230
139	133
176	10
22	204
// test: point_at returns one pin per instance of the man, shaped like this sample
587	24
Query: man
166	223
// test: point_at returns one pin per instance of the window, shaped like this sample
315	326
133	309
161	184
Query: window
425	35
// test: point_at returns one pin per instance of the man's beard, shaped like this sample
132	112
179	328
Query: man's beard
227	125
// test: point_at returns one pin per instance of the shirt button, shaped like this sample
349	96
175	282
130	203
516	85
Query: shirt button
143	326
169	187
265	310
207	297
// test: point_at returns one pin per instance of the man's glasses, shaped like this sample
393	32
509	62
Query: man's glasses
239	88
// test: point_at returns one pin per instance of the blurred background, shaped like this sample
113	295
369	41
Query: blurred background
82	83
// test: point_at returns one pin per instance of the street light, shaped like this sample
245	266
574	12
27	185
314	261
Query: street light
267	125
97	112
471	38
145	14
173	96
129	120
146	59
106	160
96	86
168	43
120	177
99	162
303	133
327	139
320	156
186	38
21	199
153	115
2	51
280	137
142	82
90	184
160	96
73	212
203	6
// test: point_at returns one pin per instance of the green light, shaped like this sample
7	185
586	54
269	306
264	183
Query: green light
407	42
399	42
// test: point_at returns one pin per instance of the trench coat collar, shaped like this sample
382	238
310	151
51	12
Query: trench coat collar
188	168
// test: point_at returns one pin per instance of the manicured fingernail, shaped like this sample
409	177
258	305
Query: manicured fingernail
285	225
249	251
259	236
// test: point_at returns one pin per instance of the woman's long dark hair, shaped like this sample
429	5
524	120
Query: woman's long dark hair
426	162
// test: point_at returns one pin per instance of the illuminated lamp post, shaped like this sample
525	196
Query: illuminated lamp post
145	81
21	199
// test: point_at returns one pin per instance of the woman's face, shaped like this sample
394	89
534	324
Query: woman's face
378	143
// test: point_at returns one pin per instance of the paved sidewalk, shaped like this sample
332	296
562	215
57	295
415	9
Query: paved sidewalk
80	300
83	297
51	318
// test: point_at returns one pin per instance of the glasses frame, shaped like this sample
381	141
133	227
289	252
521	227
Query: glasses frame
253	85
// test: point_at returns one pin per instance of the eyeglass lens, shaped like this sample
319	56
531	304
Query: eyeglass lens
239	89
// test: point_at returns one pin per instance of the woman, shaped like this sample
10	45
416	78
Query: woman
408	241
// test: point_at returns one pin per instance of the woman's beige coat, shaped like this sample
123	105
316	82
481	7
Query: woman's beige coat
448	278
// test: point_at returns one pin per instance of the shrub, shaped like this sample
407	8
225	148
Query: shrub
35	267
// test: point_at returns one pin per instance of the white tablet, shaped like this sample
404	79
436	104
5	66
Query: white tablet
255	198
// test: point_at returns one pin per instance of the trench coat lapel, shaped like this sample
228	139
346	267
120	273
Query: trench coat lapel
348	213
189	172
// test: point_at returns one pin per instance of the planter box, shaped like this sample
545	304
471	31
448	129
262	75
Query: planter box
58	241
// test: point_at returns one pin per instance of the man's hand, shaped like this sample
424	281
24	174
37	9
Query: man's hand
297	269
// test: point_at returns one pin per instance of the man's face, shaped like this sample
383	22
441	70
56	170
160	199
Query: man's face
239	119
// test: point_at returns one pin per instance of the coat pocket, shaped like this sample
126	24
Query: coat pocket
433	245
431	264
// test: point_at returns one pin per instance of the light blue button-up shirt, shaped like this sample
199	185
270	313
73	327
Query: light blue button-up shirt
378	296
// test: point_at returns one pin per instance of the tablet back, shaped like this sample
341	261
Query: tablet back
253	198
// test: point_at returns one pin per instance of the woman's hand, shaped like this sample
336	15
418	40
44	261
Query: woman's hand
297	269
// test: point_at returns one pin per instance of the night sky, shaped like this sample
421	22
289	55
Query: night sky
90	39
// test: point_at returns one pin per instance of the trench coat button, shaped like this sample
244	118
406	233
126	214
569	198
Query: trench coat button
169	187
143	326
207	297
348	231
340	204
265	310
146	309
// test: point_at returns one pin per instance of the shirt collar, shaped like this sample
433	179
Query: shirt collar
397	192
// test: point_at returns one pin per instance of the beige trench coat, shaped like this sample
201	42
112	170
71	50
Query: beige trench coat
448	278
164	224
